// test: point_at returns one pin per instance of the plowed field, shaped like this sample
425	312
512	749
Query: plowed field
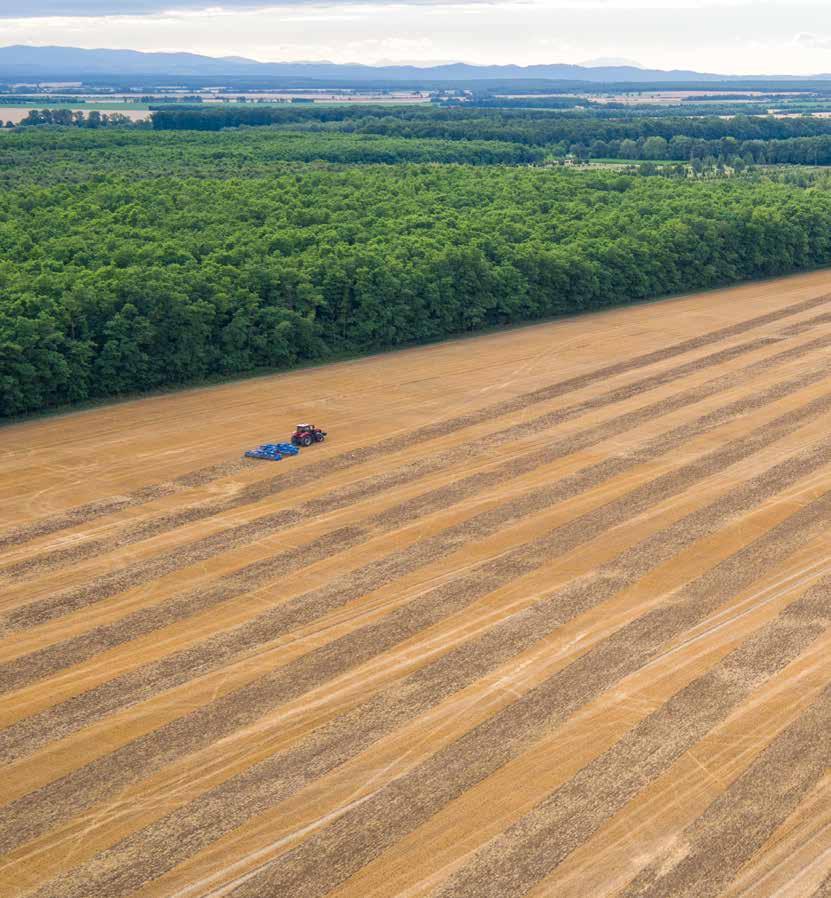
549	614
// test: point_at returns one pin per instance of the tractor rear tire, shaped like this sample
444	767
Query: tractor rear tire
306	440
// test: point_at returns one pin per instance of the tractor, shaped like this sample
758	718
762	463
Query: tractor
306	434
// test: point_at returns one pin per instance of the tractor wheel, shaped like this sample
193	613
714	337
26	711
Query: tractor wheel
319	437
306	440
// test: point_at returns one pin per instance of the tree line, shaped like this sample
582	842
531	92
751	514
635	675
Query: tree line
533	127
361	135
77	118
750	140
791	151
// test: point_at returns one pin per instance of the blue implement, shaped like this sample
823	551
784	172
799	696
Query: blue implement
272	451
267	451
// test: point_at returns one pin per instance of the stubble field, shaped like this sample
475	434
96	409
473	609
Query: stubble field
549	614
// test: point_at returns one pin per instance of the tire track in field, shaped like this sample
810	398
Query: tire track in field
154	850
28	816
328	858
741	819
29	668
199	550
410	472
518	858
311	473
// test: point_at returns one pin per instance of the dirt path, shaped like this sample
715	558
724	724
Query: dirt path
548	616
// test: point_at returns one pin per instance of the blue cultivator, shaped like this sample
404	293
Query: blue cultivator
288	449
272	451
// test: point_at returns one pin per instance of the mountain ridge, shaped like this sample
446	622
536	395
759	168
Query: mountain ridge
20	62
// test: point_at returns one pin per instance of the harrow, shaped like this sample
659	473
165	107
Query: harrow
272	451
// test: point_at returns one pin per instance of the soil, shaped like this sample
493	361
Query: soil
546	615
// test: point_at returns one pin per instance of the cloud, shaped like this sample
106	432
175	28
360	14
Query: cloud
67	9
28	9
812	41
25	9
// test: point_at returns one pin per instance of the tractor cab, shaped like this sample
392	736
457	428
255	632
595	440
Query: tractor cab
306	434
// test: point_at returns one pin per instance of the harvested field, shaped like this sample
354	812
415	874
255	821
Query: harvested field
548	615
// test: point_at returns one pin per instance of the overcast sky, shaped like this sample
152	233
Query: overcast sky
729	36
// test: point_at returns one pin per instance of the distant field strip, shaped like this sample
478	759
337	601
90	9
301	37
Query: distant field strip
551	628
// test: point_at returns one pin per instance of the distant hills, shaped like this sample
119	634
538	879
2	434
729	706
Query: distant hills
22	63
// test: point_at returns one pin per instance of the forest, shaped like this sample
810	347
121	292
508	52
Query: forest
128	265
47	155
133	259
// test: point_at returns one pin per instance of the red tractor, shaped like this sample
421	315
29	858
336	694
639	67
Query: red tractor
306	434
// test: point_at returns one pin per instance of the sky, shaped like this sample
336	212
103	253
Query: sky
728	36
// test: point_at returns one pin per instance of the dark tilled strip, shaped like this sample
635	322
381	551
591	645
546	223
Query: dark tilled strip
199	550
37	665
823	889
150	852
85	513
328	858
312	473
32	814
529	850
794	330
370	486
742	818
